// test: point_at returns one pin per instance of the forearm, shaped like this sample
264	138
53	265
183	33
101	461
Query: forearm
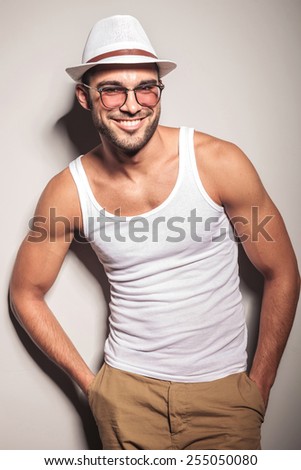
39	322
277	315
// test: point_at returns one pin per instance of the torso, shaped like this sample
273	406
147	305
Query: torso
151	283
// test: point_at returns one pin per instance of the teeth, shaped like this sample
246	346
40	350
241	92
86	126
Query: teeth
130	123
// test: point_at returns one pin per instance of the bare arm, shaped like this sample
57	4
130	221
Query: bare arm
37	265
266	242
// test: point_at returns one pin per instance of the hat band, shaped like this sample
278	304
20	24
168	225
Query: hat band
122	52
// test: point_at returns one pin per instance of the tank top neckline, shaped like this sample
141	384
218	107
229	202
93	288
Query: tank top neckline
155	209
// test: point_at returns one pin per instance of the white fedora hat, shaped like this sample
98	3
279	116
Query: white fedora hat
118	39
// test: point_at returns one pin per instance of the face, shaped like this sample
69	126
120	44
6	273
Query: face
131	126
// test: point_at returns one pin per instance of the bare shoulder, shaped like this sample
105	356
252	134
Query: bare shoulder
170	135
212	151
60	198
225	169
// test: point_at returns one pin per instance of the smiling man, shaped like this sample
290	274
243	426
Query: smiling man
174	373
128	109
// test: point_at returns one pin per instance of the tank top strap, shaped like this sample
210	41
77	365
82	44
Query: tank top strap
186	156
192	173
79	177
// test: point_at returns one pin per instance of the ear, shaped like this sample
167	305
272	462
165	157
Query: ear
82	96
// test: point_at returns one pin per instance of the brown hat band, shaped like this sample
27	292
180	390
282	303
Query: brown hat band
122	52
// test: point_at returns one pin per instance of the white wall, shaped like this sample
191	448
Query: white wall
238	78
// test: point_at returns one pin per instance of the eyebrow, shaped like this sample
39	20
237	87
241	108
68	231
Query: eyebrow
151	81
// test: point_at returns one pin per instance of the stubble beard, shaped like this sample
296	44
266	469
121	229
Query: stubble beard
130	144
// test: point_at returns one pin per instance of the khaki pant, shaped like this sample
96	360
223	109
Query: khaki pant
137	412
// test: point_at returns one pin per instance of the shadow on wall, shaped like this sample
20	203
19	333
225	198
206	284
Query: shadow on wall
86	255
77	124
83	136
251	285
64	383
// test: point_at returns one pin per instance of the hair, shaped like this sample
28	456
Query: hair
86	78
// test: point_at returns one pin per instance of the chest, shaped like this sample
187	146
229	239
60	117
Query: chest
130	196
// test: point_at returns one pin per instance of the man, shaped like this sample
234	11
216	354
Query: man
156	205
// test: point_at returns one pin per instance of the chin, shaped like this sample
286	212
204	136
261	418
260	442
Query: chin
129	144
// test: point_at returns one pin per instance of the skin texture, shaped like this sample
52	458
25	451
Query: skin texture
141	164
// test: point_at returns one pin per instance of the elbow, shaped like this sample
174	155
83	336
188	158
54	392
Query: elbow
298	285
13	297
296	281
15	302
286	281
22	300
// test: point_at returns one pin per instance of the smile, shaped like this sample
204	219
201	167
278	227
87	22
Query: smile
129	124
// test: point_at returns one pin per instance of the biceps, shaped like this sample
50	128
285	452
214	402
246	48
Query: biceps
256	222
263	234
37	265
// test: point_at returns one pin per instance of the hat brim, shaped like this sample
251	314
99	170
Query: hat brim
164	66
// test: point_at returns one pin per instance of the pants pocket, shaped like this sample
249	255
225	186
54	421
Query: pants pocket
251	393
95	386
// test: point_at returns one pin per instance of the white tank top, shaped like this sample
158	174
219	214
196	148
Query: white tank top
176	310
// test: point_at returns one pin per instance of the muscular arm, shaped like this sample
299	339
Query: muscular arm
265	240
37	265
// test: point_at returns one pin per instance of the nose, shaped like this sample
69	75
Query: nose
131	105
